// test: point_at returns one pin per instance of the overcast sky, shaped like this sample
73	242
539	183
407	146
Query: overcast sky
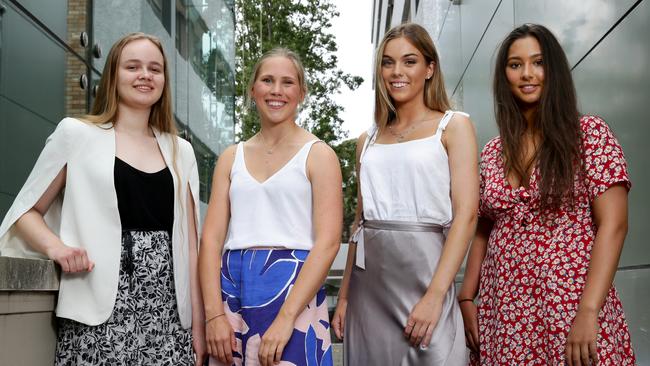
355	54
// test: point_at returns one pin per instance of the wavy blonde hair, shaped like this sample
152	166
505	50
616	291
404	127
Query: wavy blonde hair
435	95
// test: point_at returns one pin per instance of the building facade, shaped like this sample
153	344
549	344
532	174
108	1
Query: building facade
52	54
609	54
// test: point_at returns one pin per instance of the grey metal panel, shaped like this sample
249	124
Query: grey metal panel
613	83
477	82
457	99
52	13
431	15
20	145
577	24
633	289
383	12
398	10
109	25
6	200
475	17
32	68
451	58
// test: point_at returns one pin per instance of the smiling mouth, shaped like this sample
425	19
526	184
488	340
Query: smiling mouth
398	84
527	89
275	103
143	88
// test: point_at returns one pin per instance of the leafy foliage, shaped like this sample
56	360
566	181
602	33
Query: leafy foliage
346	151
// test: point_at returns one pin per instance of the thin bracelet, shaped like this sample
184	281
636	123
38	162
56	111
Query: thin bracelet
214	317
463	300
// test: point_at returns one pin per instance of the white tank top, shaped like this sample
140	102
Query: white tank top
407	181
276	212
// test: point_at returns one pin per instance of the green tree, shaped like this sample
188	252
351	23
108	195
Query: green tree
302	26
346	151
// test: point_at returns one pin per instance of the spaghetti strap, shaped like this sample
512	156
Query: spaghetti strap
238	164
239	155
371	136
447	118
445	121
303	154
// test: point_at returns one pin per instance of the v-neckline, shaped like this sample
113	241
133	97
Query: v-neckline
243	156
531	179
160	150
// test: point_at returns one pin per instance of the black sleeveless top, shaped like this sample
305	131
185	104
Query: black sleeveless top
145	200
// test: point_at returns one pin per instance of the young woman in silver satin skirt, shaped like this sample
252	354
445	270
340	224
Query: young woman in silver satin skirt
417	211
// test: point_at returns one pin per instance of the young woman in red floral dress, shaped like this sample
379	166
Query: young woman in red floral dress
553	219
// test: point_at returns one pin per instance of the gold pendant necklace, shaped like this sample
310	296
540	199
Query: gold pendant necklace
401	136
270	149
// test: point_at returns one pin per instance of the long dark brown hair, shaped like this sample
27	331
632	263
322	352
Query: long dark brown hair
556	120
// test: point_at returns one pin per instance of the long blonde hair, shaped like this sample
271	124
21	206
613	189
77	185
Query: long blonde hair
435	95
106	106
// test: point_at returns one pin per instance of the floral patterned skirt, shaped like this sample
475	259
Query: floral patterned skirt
144	328
255	283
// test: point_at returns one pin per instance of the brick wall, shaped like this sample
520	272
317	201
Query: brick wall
75	97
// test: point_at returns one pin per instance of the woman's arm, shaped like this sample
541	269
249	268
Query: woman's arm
32	228
461	146
610	217
219	334
338	319
325	175
470	286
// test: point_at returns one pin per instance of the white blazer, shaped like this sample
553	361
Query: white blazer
86	216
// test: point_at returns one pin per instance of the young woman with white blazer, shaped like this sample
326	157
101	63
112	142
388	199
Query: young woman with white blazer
112	199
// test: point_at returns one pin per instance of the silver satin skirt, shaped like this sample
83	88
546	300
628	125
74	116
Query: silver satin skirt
400	260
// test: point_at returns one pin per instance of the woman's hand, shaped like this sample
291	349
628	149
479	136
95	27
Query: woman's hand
274	340
220	339
198	342
470	320
581	341
338	320
70	259
423	319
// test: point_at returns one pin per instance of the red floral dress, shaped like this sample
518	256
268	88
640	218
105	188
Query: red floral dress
536	265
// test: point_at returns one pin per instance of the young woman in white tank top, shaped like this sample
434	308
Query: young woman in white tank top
417	204
271	233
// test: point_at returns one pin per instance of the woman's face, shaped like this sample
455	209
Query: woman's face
404	71
140	76
525	70
277	91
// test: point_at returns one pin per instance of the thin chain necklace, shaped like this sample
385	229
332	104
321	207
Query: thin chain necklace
269	150
401	136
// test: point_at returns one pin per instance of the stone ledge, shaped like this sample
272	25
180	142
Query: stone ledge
21	274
